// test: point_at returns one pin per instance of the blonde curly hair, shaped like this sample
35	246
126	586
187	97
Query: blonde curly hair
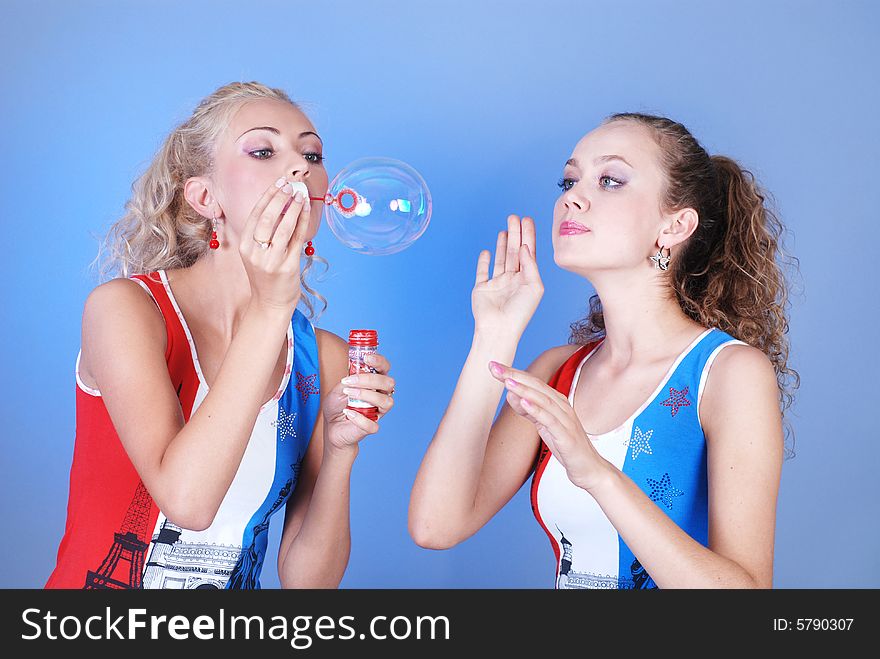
159	229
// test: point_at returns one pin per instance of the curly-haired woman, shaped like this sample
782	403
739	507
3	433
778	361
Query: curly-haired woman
656	438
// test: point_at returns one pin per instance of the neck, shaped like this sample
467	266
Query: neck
219	289
643	320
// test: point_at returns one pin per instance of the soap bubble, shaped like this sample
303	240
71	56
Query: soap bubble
378	206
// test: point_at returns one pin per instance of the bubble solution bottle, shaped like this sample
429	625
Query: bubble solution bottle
360	344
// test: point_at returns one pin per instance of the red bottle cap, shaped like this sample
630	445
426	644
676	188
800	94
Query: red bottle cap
363	337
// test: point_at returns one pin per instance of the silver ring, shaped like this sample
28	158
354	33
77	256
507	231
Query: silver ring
263	244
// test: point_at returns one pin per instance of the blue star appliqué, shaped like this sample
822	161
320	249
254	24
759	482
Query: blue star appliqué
639	443
662	490
284	424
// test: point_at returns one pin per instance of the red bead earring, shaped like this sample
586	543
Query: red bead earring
214	244
310	251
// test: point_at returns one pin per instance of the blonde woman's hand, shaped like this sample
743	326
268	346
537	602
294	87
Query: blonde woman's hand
271	246
506	302
344	428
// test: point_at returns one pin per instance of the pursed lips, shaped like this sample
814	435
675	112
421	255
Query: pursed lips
570	228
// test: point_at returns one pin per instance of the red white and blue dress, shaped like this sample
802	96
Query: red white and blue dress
116	536
661	447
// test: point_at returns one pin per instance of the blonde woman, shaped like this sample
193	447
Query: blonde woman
206	401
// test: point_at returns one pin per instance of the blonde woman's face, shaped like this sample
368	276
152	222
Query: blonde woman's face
609	215
265	140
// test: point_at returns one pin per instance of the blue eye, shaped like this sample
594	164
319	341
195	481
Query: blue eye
265	154
609	182
566	183
256	154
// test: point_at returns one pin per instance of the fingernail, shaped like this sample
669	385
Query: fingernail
280	182
510	384
495	367
348	413
526	404
298	197
354	393
351	379
287	188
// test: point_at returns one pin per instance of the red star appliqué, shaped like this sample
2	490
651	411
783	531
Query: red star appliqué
676	399
305	385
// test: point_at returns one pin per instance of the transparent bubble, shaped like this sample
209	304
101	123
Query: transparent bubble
378	206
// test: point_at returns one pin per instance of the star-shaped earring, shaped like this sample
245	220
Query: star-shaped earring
662	262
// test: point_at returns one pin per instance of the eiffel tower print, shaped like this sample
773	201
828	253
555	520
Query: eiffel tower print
124	564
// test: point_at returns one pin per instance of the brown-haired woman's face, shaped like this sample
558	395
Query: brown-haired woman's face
265	140
609	215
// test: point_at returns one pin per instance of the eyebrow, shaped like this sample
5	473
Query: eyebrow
611	157
278	132
574	163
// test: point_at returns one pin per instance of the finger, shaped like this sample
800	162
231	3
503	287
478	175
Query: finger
265	227
302	226
544	416
528	235
515	403
521	381
296	215
483	267
500	253
502	372
514	240
376	381
369	427
381	400
528	265
378	362
541	394
270	193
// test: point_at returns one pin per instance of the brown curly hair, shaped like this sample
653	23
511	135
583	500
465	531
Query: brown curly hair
729	273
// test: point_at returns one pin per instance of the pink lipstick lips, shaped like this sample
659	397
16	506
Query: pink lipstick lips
570	228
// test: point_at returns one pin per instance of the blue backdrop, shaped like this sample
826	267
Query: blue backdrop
486	100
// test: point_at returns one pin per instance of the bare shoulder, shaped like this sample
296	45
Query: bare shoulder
118	316
122	300
549	361
741	384
331	344
332	357
740	365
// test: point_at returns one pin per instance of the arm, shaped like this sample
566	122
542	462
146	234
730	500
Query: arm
316	540
472	468
743	428
187	468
